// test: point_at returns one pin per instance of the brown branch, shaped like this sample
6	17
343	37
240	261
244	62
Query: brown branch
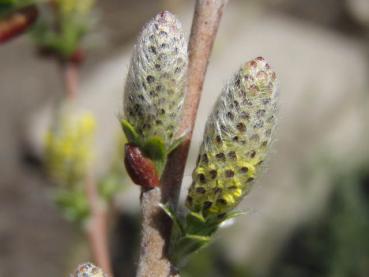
71	71
204	28
97	231
153	261
156	226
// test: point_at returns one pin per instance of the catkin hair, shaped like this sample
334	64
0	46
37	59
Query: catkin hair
155	83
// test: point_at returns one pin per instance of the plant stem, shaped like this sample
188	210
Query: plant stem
204	28
156	226
71	72
96	231
153	260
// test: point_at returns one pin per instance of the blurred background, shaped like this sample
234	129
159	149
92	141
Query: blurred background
308	214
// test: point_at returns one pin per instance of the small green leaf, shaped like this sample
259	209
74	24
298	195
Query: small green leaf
130	132
234	214
186	246
196	216
154	148
173	216
5	8
198	238
73	204
109	186
177	142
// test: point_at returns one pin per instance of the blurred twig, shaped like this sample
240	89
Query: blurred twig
71	79
17	22
97	228
156	226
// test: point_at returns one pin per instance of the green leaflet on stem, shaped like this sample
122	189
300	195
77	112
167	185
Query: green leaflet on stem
192	232
152	148
142	155
73	204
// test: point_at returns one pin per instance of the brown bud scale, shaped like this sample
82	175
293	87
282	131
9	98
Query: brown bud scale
17	22
140	168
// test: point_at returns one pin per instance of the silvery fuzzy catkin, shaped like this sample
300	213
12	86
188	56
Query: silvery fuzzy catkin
236	140
154	88
88	270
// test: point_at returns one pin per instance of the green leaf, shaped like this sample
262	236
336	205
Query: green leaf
176	143
130	132
198	238
6	6
73	205
187	246
154	149
109	186
234	214
173	216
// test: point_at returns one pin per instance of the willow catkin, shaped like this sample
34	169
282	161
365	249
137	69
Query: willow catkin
88	270
236	140
154	88
69	146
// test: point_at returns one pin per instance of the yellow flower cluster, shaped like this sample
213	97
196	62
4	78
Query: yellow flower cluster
68	147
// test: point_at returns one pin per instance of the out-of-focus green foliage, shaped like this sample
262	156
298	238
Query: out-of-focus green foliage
73	204
7	6
337	244
62	25
110	184
68	156
68	147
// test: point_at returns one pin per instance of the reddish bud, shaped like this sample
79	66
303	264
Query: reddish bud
140	168
77	57
17	22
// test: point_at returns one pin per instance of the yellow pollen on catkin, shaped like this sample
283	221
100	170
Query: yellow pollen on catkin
236	141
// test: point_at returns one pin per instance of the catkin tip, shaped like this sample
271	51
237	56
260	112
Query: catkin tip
88	270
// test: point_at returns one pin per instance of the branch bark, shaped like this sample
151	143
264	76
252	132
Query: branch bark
97	230
156	226
71	80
